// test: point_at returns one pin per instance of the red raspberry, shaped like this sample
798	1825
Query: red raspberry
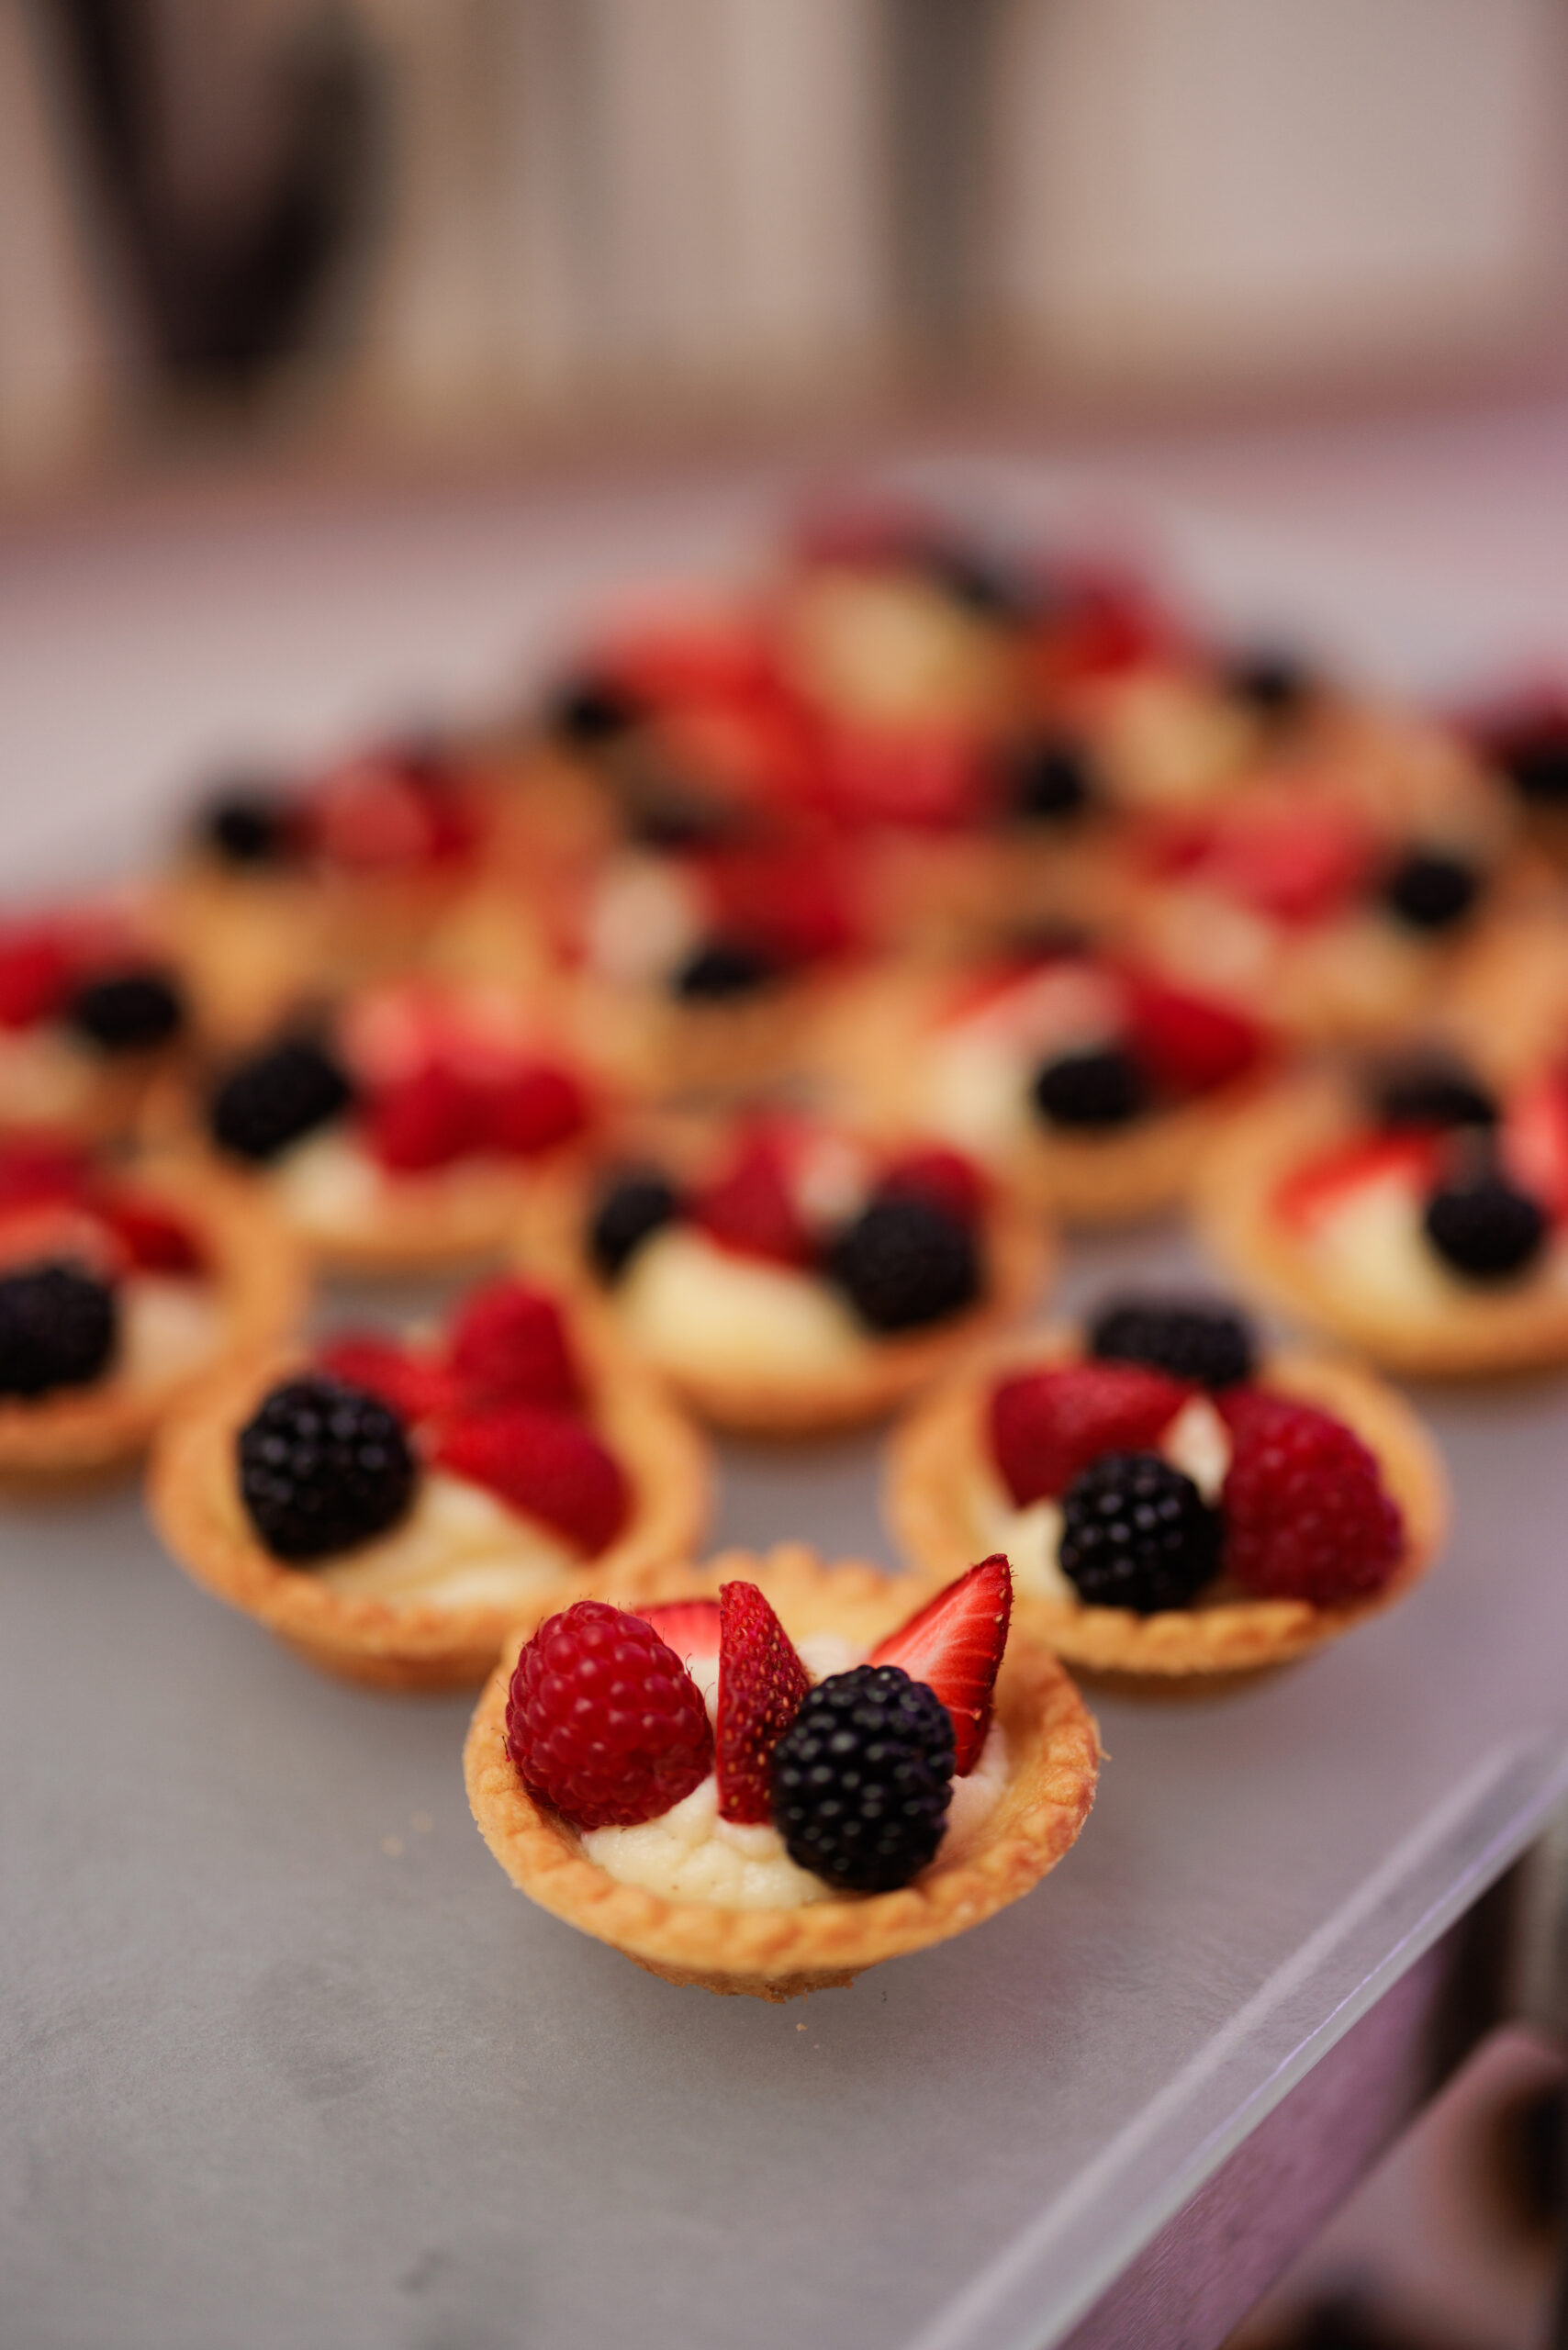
750	1209
1188	1043
604	1722
35	1169
1305	1512
509	1345
425	1121
535	1111
35	972
1047	1424
416	1388
544	1464
946	1177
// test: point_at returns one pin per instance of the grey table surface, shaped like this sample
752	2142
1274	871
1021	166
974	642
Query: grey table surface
284	2060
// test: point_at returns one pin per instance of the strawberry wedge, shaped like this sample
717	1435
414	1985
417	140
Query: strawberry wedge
955	1645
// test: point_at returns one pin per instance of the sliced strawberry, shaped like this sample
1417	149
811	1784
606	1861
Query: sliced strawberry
1047	1424
689	1627
36	1168
955	1645
533	1110
1102	622
1534	1141
1300	864
154	1240
936	777
385	813
1314	1191
37	968
426	1120
751	1209
416	1387
946	1177
1190	1043
761	1683
509	1345
545	1464
796	903
60	1228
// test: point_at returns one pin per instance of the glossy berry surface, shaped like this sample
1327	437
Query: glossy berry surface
126	1012
723	969
862	1779
603	1720
954	1645
636	1206
278	1098
323	1466
762	1684
536	1108
1049	780
1047	1424
1136	1533
1307	1515
1431	892
750	1208
1485	1228
589	712
1186	1338
1188	1044
58	1328
1431	1093
247	826
906	1262
509	1345
542	1462
1274	685
425	1120
1094	1089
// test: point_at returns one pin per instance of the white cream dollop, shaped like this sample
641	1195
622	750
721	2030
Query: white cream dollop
459	1546
689	1853
700	1311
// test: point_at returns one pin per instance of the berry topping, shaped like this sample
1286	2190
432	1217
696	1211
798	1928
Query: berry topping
543	1463
1432	1092
603	1720
1047	1424
247	824
863	1777
323	1466
751	1209
1297	863
534	1110
1407	1157
416	1388
277	1099
425	1121
1189	1044
126	1012
1274	685
691	1626
761	1684
1430	891
1533	754
1484	1227
387	812
1100	1086
590	711
1185	1337
1533	1147
1136	1533
725	968
1306	1517
35	972
58	1328
636	1206
509	1345
155	1240
946	1177
1050	780
954	1645
905	1262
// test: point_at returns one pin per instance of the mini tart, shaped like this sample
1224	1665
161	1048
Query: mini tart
257	1278
869	1384
775	1954
194	1495
939	1463
1465	1329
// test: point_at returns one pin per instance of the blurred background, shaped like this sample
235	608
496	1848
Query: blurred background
377	229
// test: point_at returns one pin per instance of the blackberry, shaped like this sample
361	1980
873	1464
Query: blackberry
1271	684
1433	1092
983	584
1185	1338
904	1262
323	1466
277	1098
1429	891
1535	763
1051	779
589	712
633	1207
59	1327
246	824
721	968
862	1778
126	1012
1102	1086
1136	1533
1485	1228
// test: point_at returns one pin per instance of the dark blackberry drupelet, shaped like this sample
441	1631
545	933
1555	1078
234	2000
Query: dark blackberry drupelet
723	968
862	1779
981	583
1101	1087
589	712
1185	1338
59	1327
1535	761
1274	685
1050	779
323	1466
1435	1092
1429	892
1485	1228
904	1262
633	1207
128	1012
278	1098
1136	1533
246	824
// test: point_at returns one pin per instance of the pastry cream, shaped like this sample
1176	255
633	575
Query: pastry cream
700	1311
459	1546
168	1329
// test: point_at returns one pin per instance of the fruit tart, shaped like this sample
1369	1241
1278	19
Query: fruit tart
91	1010
402	1135
775	1777
1414	1210
1179	1509
123	1285
786	1275
390	1507
1092	1084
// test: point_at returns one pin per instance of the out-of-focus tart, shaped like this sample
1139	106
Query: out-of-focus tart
765	1850
388	1509
91	1010
1177	1511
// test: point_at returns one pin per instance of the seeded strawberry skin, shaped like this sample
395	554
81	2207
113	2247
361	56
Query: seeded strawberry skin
761	1682
544	1464
603	1721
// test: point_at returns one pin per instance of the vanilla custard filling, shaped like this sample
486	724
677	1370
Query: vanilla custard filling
689	1853
703	1312
458	1547
332	1189
977	1073
168	1329
1370	1250
46	1077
